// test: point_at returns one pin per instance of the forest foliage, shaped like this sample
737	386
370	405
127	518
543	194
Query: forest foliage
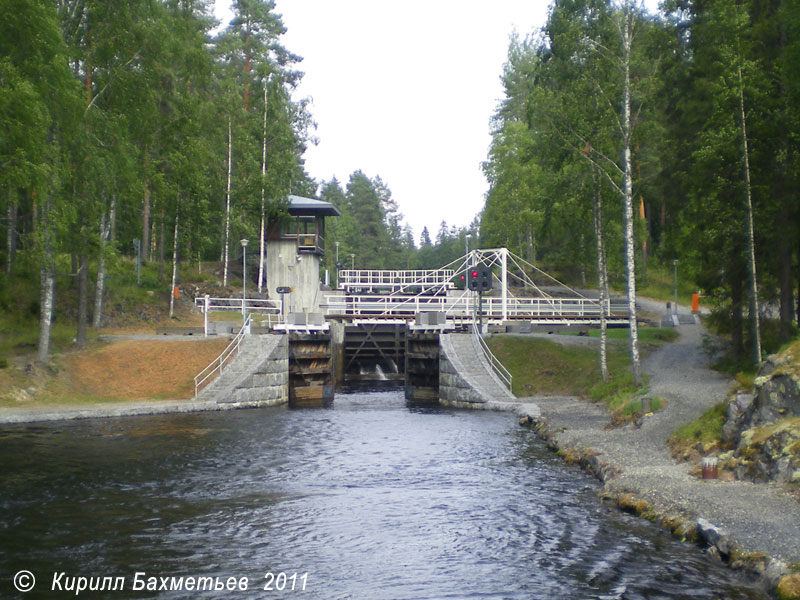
714	99
138	123
138	126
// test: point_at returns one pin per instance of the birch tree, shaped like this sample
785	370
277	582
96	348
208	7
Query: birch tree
106	228
599	49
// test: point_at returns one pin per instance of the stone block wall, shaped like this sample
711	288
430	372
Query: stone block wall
268	383
454	389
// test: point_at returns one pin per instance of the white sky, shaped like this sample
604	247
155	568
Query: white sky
405	90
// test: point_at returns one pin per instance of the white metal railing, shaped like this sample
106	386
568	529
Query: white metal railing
258	305
502	373
217	365
493	308
395	281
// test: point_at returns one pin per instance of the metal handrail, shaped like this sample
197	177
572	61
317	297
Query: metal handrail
493	307
502	373
219	363
268	306
397	280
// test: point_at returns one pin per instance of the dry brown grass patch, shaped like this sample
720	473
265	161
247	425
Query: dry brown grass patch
132	370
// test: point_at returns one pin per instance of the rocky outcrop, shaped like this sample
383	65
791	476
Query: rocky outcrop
764	427
767	453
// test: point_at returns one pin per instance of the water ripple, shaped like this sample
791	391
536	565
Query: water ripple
372	498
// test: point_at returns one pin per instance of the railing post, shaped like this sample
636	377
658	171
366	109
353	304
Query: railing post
205	321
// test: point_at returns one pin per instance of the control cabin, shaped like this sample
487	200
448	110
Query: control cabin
295	247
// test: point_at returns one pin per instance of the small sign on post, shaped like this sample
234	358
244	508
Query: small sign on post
283	289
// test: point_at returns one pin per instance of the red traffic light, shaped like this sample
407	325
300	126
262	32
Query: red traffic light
474	273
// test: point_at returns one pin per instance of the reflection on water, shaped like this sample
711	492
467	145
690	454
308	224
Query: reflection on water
372	498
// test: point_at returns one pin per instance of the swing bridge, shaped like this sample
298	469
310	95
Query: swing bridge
399	327
521	293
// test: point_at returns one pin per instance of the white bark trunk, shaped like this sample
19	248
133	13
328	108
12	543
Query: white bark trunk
146	224
106	229
81	337
226	236
751	243
47	302
630	250
47	284
174	264
11	232
262	241
601	277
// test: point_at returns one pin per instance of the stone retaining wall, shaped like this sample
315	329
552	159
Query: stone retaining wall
454	389
268	384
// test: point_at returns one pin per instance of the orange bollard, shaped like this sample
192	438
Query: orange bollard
695	303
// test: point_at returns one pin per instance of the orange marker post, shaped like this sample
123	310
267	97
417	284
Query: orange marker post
695	303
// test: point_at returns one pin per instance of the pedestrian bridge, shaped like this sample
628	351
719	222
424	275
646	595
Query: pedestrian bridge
370	295
396	327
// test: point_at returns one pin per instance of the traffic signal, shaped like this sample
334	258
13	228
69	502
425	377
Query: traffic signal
484	279
473	278
480	278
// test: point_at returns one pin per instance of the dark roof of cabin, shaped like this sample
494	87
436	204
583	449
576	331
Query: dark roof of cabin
299	206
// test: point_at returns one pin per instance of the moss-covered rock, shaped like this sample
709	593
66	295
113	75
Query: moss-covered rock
789	587
769	453
764	427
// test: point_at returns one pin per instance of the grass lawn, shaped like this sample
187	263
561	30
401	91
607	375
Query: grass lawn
542	366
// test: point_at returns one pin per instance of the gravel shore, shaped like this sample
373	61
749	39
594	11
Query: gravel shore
748	519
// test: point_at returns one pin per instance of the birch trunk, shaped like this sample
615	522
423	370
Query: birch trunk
146	223
83	292
161	246
262	241
630	250
47	282
227	233
601	276
174	264
11	232
106	229
751	244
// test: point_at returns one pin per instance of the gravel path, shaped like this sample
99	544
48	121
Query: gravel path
755	518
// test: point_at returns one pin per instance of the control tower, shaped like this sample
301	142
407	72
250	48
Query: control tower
295	247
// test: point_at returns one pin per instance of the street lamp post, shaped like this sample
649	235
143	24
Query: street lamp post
466	245
244	280
337	265
675	265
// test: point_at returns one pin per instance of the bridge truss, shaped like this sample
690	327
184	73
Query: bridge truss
407	293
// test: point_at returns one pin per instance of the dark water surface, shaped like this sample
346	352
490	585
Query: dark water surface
372	499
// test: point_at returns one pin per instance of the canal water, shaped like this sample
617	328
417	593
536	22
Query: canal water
371	499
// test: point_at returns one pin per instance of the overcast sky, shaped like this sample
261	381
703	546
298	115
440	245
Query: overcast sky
405	90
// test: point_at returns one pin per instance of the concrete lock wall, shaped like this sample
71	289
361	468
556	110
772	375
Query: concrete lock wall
454	388
268	383
287	268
